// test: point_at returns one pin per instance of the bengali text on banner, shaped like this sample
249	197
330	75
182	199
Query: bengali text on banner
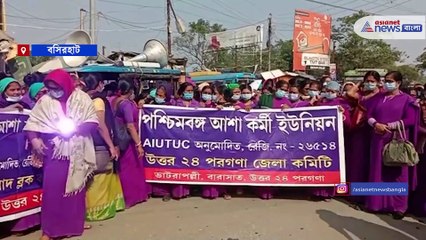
296	147
20	183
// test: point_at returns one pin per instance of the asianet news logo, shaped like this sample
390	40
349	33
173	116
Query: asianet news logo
388	26
391	27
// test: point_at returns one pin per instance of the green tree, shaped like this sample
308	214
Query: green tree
353	51
422	60
411	73
193	43
281	56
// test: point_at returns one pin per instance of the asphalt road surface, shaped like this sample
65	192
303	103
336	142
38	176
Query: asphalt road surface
248	219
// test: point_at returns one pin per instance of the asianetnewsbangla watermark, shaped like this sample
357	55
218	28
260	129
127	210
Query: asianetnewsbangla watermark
372	189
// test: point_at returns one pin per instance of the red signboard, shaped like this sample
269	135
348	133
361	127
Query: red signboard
311	39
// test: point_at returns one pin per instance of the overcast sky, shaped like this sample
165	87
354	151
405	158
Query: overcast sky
132	22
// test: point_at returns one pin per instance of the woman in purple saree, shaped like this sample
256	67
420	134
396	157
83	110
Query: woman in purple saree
388	110
185	99
59	128
332	98
131	170
358	157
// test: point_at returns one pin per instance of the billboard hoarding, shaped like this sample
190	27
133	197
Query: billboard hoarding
311	35
242	37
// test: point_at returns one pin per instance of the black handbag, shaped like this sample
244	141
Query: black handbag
121	131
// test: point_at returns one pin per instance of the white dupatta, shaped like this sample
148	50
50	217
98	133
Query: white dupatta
78	150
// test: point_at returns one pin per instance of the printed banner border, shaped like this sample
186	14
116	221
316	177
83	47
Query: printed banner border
341	143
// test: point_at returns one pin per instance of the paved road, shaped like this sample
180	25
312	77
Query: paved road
248	219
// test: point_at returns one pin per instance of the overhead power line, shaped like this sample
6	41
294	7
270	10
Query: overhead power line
73	29
130	4
202	6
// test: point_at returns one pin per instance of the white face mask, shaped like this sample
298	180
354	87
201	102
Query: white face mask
101	89
56	93
132	97
14	99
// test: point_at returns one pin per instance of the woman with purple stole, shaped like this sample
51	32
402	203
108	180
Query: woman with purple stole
332	98
160	98
241	97
388	110
246	99
207	101
358	157
281	95
59	128
279	101
131	170
296	99
185	99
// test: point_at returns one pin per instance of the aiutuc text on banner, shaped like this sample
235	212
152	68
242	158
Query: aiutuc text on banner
297	147
20	183
311	40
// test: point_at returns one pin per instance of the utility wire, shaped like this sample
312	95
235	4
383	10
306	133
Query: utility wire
72	29
129	22
131	25
129	4
35	17
202	6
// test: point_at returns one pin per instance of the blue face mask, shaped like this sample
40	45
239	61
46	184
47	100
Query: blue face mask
56	93
313	93
322	94
236	97
280	93
214	97
159	100
390	86
153	93
246	96
370	86
330	95
206	97
294	97
188	95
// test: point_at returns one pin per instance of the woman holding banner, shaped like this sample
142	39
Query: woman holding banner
185	99
131	170
248	100
11	95
104	196
206	101
59	128
28	222
160	98
332	98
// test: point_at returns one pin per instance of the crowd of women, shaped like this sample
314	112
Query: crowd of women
89	176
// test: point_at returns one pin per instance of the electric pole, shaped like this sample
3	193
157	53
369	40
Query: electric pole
82	12
93	16
269	41
3	16
169	30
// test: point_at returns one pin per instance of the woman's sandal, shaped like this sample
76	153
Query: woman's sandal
87	227
227	196
167	198
45	237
